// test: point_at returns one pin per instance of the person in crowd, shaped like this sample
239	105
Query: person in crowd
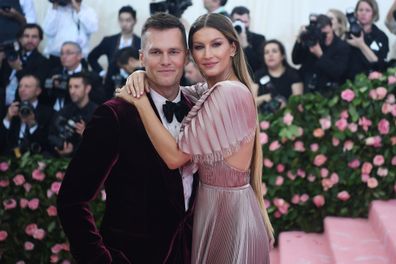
390	21
28	60
220	136
69	124
338	22
25	125
13	15
323	57
277	81
216	6
71	63
109	45
75	22
192	73
148	214
369	49
252	43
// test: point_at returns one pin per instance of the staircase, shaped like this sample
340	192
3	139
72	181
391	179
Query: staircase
345	240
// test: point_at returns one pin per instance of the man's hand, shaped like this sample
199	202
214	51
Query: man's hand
13	110
76	5
316	50
16	64
243	39
67	149
14	14
80	127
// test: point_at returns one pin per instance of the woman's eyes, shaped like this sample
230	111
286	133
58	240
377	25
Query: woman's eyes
215	45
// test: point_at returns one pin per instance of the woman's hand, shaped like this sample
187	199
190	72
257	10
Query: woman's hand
356	42
137	84
124	94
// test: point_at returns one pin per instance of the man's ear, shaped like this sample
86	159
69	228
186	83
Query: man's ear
88	88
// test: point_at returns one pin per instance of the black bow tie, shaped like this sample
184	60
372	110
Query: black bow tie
179	109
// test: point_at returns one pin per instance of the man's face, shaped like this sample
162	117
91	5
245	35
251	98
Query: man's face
245	19
164	56
70	56
28	89
77	90
126	22
30	39
131	65
211	5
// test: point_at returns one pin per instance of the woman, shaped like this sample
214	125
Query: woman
219	134
370	49
278	79
338	22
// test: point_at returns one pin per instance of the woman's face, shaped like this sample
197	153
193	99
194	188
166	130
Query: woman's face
364	14
272	56
334	21
212	53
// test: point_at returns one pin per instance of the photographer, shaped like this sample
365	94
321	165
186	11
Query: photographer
252	43
69	124
323	56
216	6
68	20
24	127
369	48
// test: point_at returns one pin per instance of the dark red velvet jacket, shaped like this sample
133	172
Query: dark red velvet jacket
145	220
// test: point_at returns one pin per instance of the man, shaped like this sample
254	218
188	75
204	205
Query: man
323	57
71	60
148	207
72	22
216	6
69	124
27	61
25	126
109	45
252	43
192	73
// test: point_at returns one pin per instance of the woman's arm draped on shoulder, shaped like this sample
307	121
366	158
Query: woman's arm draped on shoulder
194	92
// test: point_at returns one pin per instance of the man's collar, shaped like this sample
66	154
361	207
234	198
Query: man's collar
159	100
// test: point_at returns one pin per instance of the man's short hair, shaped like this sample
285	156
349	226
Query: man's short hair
240	10
37	79
75	44
30	26
223	2
86	78
162	21
123	55
127	9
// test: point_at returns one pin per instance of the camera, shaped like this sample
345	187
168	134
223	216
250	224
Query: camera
239	26
62	2
173	7
59	82
354	28
313	33
65	131
11	49
25	109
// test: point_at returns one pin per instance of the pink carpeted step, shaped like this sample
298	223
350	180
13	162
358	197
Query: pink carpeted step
304	248
354	241
274	256
382	217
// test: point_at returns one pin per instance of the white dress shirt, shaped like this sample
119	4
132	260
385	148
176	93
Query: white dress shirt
7	124
174	129
28	10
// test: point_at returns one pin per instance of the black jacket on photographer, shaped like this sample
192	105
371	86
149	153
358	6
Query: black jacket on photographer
322	74
254	51
378	42
13	136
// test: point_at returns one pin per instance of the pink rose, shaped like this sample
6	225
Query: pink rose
378	160
30	229
3	235
295	199
343	196
348	95
311	178
23	203
4	166
344	114
375	75
367	167
300	108
264	125
348	145
19	180
335	141
391	80
56	248
318	133
354	164
300	131
299	146
288	119
60	175
325	122
4	183
54	259
39	234
393	141
365	177
314	147
291	176
383	127
319	200
28	246
274	145
381	92
372	183
320	160
27	187
38	175
393	162
52	211
394	110
382	172
34	204
341	124
365	123
279	181
374	141
301	173
353	127
324	172
373	94
55	186
9	204
41	165
268	163
327	184
334	178
277	214
304	197
391	99
263	138
280	168
264	188
386	108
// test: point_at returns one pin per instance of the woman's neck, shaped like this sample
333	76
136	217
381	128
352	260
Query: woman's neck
229	75
367	28
277	71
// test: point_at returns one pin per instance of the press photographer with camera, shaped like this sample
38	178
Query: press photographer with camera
252	43
68	20
216	6
25	125
322	54
69	124
369	45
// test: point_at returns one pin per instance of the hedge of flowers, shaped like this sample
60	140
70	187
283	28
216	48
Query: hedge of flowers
331	156
322	156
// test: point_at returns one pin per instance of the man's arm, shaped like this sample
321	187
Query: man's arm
95	54
84	179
